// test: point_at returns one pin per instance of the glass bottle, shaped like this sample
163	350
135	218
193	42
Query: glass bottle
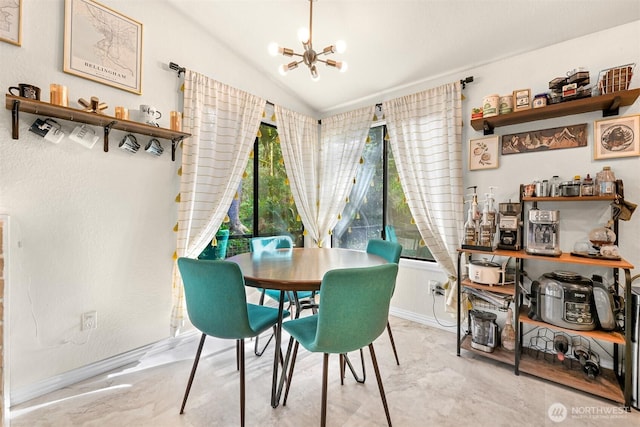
508	336
470	229
606	181
587	186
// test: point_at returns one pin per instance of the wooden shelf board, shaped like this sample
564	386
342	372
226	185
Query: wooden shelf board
613	336
506	289
604	385
72	114
569	199
498	354
565	258
578	106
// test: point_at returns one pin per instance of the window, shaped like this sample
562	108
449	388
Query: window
264	204
377	203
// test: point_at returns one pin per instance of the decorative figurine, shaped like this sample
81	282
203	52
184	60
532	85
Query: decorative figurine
95	106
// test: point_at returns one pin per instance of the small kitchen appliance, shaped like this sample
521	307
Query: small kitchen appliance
484	330
543	236
509	226
564	299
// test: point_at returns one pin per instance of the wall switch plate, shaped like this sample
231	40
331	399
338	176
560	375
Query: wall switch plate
89	320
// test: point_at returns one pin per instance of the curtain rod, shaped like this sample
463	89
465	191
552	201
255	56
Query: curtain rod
180	70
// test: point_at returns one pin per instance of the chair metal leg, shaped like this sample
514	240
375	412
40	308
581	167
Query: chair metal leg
380	387
259	352
242	400
393	344
293	364
237	355
342	369
193	372
361	379
325	374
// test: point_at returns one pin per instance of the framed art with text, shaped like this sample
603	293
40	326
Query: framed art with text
11	21
618	137
102	45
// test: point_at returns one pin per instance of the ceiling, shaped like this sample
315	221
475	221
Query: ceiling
392	44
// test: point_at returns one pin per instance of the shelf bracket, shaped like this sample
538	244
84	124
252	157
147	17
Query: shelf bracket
174	143
107	129
14	119
613	108
487	127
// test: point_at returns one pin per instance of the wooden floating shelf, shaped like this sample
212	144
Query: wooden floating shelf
608	103
31	106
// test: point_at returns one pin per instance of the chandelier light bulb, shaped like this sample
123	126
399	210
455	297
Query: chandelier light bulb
342	66
273	49
341	46
303	35
283	69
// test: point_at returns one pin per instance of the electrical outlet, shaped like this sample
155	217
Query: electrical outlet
89	320
433	284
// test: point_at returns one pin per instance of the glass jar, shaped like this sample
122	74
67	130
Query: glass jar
606	182
587	187
554	186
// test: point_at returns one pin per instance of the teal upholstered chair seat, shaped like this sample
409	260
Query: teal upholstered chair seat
340	326
217	306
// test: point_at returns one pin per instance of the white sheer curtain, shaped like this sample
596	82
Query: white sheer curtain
223	122
321	174
425	132
299	144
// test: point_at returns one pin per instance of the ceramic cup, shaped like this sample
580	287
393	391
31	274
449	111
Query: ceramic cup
150	114
26	90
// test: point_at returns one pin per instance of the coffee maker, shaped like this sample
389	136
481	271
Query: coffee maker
509	226
543	236
484	330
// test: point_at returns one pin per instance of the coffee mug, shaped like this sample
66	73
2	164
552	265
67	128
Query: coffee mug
49	129
150	114
26	91
122	113
58	95
129	143
154	147
84	135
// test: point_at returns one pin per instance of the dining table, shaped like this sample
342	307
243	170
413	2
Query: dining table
292	270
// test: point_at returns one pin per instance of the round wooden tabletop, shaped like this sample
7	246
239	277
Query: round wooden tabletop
299	269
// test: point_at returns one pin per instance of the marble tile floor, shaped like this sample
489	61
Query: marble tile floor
431	387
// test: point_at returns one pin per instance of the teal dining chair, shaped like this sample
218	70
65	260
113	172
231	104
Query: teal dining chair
341	326
390	251
217	306
264	246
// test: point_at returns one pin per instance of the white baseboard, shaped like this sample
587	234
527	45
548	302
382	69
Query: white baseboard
422	319
68	378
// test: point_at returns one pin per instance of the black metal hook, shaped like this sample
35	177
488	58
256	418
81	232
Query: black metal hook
177	68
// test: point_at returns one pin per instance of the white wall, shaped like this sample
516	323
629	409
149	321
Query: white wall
534	70
93	231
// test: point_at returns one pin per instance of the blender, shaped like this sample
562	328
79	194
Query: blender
484	330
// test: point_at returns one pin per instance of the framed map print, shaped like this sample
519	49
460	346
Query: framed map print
11	21
103	45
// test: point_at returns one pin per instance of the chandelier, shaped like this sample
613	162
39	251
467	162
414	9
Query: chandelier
310	57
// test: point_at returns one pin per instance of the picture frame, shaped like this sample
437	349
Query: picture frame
617	137
118	63
483	153
570	136
11	20
521	99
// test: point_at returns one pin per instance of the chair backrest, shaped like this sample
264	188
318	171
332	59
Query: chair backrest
386	249
261	244
355	307
390	233
216	299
